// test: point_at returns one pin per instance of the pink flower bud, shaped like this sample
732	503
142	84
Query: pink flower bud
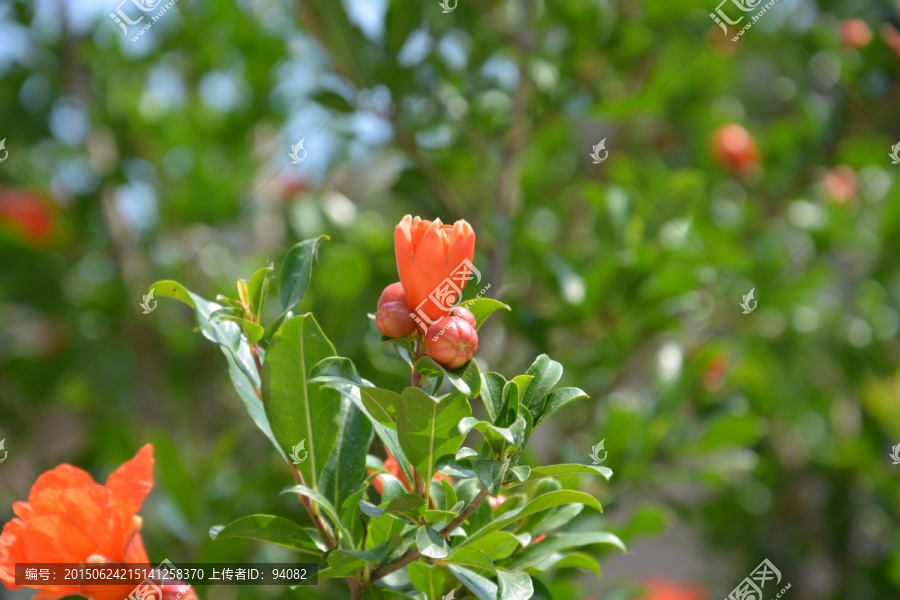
465	314
451	342
393	293
393	320
497	500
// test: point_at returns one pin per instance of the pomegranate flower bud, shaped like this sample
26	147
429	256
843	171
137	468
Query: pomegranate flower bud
393	293
461	312
393	320
451	342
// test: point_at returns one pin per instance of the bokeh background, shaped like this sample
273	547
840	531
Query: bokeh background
734	437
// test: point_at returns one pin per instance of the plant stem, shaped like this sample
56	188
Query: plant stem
414	554
311	508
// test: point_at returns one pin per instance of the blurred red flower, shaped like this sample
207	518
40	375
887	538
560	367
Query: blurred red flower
69	518
662	588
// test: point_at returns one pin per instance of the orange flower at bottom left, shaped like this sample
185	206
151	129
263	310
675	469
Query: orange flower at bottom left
69	518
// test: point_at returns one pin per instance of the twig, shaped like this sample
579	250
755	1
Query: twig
414	554
314	514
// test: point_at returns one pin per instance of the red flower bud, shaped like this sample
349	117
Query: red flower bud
451	342
465	314
393	320
393	293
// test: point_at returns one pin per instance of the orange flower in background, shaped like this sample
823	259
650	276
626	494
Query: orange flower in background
661	588
391	466
24	214
428	252
69	518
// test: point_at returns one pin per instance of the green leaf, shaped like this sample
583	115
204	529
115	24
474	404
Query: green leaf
301	413
382	407
497	438
409	505
466	379
546	373
341	557
431	543
427	427
543	502
511	400
296	272
428	578
258	290
482	587
520	473
271	529
346	467
573	560
254	331
557	399
552	544
560	470
252	404
482	308
472	558
514	585
167	288
322	501
491	473
492	394
497	544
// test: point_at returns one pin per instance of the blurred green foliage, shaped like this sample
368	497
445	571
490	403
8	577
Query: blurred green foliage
749	436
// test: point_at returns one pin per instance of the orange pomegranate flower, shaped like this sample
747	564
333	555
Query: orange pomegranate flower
428	253
69	518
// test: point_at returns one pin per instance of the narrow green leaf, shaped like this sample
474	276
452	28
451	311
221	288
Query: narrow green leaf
573	560
492	394
428	578
482	308
546	373
472	558
304	417
575	469
482	587
296	272
431	543
427	427
543	502
514	585
258	290
553	544
497	544
323	502
271	529
557	399
346	467
382	407
491	473
167	288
